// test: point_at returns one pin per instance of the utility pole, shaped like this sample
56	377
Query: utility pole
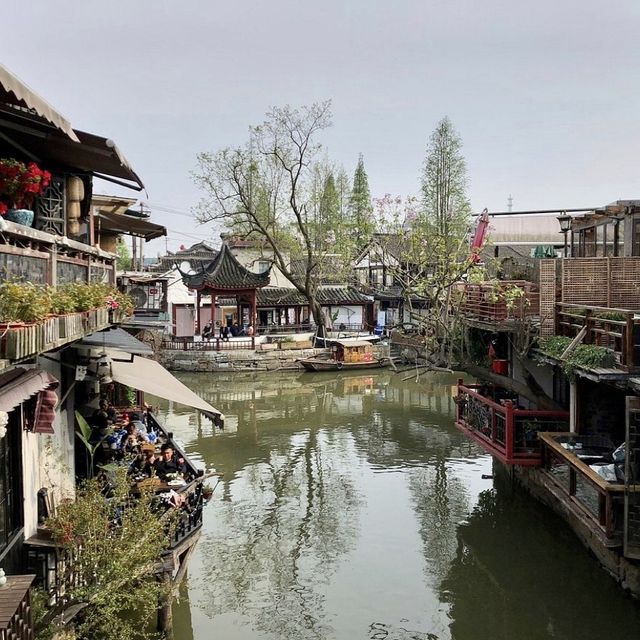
509	204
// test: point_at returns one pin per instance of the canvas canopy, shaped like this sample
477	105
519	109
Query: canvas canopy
151	377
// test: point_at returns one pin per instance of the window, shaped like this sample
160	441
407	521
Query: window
263	266
636	237
10	480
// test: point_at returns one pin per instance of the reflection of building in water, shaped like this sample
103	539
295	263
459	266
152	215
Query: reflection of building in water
517	573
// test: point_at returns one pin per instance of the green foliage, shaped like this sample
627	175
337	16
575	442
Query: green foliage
114	543
360	206
28	302
445	205
23	302
124	256
585	356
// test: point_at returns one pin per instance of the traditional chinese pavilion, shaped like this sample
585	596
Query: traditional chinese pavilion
224	277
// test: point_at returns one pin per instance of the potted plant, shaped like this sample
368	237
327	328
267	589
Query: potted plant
22	302
20	183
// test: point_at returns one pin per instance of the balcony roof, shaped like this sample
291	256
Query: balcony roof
126	224
16	95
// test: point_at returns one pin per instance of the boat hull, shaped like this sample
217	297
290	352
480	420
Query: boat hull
313	364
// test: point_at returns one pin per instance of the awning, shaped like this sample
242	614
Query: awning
16	93
122	223
19	385
52	149
116	339
151	377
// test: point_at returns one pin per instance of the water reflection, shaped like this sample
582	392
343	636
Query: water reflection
519	572
350	507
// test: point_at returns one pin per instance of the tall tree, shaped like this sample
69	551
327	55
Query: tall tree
360	206
431	241
264	189
444	183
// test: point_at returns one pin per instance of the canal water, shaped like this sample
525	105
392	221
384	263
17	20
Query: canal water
350	507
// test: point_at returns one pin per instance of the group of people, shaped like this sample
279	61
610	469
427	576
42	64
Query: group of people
226	331
132	438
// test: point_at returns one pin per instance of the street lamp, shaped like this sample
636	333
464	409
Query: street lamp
565	225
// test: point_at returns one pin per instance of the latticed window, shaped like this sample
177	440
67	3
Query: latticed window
50	208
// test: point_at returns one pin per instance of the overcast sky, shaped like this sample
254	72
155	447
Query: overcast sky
545	94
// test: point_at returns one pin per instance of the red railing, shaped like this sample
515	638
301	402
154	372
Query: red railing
500	301
615	329
490	416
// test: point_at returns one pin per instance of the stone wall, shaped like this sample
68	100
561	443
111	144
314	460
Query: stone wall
235	360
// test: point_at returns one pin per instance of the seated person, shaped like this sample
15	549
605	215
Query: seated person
134	419
169	463
100	426
145	462
107	407
132	438
207	331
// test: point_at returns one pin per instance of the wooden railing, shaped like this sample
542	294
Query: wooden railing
190	518
565	464
493	302
20	342
16	619
615	329
490	416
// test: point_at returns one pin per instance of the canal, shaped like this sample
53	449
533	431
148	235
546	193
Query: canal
350	507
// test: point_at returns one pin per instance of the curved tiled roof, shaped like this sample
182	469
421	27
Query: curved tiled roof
224	272
280	296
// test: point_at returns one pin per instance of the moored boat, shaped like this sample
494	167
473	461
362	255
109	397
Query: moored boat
346	355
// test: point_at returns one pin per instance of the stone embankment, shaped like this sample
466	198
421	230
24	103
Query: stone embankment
235	360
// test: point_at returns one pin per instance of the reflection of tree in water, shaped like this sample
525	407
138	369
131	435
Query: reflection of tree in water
441	501
519	572
293	521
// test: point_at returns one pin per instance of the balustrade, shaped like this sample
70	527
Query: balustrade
501	427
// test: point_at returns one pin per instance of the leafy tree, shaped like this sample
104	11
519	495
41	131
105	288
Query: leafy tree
112	545
124	256
445	204
360	205
431	239
267	188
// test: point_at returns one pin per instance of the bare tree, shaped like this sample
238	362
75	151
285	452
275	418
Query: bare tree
264	190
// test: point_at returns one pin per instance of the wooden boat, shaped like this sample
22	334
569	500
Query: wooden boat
346	355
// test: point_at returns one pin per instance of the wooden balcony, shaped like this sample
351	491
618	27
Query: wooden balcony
43	258
567	471
18	342
490	304
609	327
16	619
490	416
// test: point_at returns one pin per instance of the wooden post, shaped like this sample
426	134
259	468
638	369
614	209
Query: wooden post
588	323
627	347
197	318
509	428
165	614
254	310
213	311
